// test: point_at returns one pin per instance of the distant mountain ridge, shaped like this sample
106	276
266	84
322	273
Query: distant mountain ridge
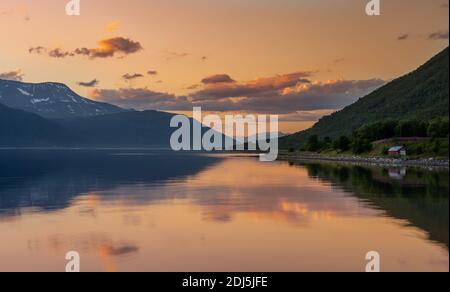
421	94
128	129
20	128
146	129
51	100
52	115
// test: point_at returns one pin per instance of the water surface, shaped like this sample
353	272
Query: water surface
162	211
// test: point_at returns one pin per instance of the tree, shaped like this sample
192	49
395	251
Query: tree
412	128
378	130
342	144
313	143
360	145
438	128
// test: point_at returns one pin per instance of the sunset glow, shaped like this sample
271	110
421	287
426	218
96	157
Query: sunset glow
277	57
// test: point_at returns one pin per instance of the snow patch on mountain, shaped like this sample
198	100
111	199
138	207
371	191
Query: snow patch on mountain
51	100
37	100
24	92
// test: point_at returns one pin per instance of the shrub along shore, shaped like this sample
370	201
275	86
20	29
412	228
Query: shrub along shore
421	140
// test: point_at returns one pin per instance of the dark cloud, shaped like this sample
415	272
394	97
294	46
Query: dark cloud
92	83
106	48
142	99
121	250
204	58
58	53
193	87
306	116
12	75
110	47
82	51
152	72
439	35
308	97
219	78
403	37
260	87
37	50
274	95
128	77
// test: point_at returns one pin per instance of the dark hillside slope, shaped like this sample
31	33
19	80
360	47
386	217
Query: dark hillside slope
422	94
20	128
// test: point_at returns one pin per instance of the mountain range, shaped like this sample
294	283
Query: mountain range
422	94
51	114
20	128
51	100
128	129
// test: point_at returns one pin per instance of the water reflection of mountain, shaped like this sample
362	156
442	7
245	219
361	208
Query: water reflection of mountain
50	180
420	196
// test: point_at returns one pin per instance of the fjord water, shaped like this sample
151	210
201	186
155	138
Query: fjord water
136	210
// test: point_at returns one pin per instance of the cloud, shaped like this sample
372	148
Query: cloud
301	97
259	87
439	35
219	78
16	75
281	94
59	53
193	87
141	99
92	83
403	37
204	58
152	72
120	251
111	47
306	116
106	48
37	50
128	77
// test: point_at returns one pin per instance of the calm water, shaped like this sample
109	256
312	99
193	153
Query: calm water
160	211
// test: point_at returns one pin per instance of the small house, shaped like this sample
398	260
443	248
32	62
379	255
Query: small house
397	151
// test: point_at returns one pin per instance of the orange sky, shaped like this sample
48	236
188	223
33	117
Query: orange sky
247	40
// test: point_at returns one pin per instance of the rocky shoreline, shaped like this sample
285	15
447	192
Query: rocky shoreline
375	161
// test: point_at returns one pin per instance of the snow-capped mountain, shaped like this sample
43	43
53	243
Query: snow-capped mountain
51	100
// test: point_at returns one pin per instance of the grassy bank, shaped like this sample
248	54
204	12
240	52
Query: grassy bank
417	148
420	152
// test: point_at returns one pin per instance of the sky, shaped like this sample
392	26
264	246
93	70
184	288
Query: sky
299	59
